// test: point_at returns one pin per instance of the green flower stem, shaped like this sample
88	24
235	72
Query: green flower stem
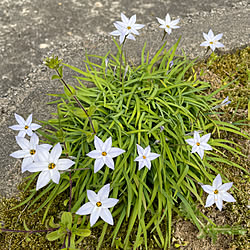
76	99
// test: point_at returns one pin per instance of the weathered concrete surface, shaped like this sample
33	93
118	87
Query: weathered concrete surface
33	29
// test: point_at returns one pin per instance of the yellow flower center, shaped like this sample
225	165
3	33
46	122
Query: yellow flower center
26	127
51	166
32	151
98	204
144	157
129	28
211	42
104	153
198	144
167	26
216	191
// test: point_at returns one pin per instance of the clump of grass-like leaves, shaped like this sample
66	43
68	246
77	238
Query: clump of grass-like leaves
150	104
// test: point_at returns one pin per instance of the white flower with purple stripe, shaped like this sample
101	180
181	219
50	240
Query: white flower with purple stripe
145	157
104	153
25	127
98	206
49	164
218	193
199	144
127	28
212	40
29	151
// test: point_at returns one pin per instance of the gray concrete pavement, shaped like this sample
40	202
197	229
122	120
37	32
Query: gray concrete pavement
30	30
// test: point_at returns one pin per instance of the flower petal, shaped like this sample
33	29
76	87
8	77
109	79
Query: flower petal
110	202
138	26
109	162
107	145
152	156
38	166
218	202
46	146
142	164
98	164
227	197
205	146
42	154
205	138
200	152
106	216
27	163
29	120
64	164
23	143
92	196
85	209
122	38
34	140
130	36
196	137
35	126
225	187
29	131
210	200
115	33
168	19
140	150
132	20
134	31
20	120
16	127
98	143
95	154
147	150
217	182
43	179
174	22
219	45
20	154
205	44
94	215
55	175
148	163
114	152
190	141
22	133
55	153
104	192
195	149
208	189
160	21
124	18
218	37
210	34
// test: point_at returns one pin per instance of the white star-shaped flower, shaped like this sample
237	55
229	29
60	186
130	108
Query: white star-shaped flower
127	28
29	151
25	127
98	206
212	40
167	24
104	153
218	193
199	144
49	164
145	157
